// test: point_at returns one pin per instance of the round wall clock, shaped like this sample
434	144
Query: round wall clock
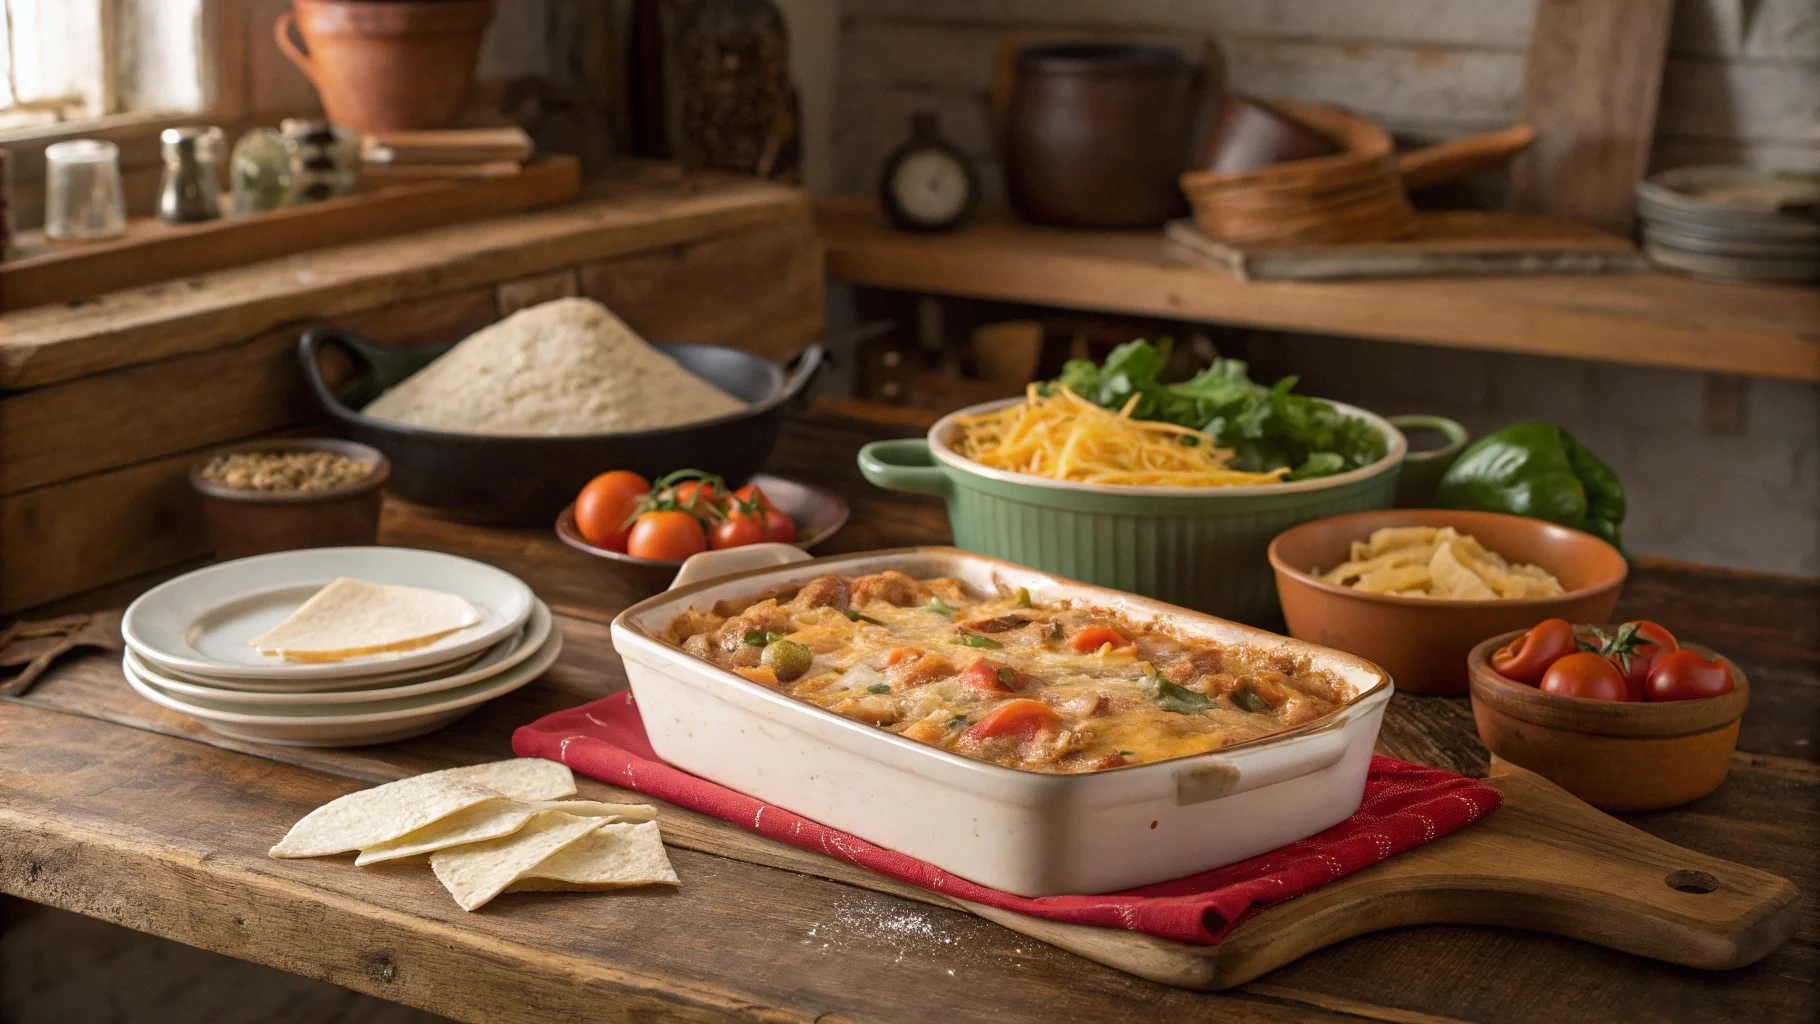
927	184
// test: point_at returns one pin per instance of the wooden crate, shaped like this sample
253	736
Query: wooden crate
104	406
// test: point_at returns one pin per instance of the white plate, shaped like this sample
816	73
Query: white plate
376	680
501	657
199	624
332	726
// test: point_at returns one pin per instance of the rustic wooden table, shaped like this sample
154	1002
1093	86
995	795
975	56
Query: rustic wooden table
112	807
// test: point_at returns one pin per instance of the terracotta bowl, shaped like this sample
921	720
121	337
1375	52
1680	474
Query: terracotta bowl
1423	642
242	523
1617	756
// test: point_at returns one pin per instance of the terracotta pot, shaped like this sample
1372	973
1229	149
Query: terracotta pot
1423	642
389	64
1615	755
1095	134
242	523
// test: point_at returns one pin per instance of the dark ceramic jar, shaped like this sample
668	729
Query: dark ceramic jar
1096	134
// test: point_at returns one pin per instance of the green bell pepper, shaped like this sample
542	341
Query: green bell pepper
1537	470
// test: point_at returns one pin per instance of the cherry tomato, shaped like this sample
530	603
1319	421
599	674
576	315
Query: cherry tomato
1585	675
603	510
1095	637
700	496
988	676
779	527
1023	716
1527	657
1633	648
751	495
671	536
1685	675
737	530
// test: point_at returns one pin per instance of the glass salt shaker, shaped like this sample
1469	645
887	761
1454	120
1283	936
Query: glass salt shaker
325	159
82	194
260	171
191	189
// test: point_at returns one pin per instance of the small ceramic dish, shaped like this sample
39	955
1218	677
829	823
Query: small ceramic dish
817	512
1615	755
1422	641
244	522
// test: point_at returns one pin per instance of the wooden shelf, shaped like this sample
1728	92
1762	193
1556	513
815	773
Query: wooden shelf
1649	319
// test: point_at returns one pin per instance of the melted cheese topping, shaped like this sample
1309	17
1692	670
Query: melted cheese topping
1036	687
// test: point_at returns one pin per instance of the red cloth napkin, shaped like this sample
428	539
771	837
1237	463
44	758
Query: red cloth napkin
1405	806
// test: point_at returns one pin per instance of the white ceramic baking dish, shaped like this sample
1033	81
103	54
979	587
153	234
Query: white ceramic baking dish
1029	833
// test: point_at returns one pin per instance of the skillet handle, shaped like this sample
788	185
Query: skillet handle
309	351
804	367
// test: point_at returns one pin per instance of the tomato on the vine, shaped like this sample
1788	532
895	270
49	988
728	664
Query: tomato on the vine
779	527
605	508
700	496
1586	675
1685	675
738	529
666	534
1527	657
1633	649
752	495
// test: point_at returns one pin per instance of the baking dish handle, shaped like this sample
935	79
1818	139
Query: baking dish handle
708	564
1219	778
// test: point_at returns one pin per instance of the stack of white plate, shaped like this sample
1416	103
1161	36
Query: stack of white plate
1733	222
187	649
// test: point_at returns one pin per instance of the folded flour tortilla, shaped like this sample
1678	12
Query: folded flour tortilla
353	618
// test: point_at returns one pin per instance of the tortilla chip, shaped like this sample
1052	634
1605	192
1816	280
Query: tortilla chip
353	618
477	872
373	816
611	857
491	820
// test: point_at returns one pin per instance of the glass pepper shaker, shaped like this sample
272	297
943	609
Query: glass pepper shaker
260	171
191	189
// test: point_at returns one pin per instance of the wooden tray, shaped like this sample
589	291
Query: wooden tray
152	251
1454	242
1545	861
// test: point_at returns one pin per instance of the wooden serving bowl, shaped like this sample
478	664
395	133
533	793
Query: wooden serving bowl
1423	642
1615	755
242	523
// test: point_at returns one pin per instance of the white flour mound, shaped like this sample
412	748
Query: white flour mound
564	367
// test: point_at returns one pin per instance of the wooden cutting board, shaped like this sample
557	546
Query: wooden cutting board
1452	242
1545	861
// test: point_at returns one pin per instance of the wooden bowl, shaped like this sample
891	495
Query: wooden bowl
1617	756
1423	642
242	523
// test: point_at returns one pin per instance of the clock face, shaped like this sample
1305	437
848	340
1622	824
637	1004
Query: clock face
930	186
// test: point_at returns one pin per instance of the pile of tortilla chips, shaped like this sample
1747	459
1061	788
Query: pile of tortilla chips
491	828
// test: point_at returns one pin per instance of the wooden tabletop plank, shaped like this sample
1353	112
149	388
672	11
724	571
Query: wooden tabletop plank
1656	319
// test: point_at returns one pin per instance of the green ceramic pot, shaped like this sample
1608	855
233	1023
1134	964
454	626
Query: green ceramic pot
1203	548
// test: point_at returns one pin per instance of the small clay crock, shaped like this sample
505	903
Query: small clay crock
1615	755
388	65
1423	642
242	523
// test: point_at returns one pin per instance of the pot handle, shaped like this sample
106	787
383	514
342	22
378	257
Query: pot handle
904	464
709	564
281	31
1456	435
804	368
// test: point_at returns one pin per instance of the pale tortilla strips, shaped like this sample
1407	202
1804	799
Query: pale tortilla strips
610	857
353	618
490	820
383	813
477	872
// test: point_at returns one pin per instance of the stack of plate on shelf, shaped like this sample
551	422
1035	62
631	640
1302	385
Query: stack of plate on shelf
188	648
1733	222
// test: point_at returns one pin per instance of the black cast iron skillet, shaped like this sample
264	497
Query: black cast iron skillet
526	481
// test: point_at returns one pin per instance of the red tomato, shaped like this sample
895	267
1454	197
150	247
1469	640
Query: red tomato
671	536
988	676
779	527
1633	648
1685	675
1094	637
1528	656
751	495
697	496
737	530
1023	716
1586	675
603	510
